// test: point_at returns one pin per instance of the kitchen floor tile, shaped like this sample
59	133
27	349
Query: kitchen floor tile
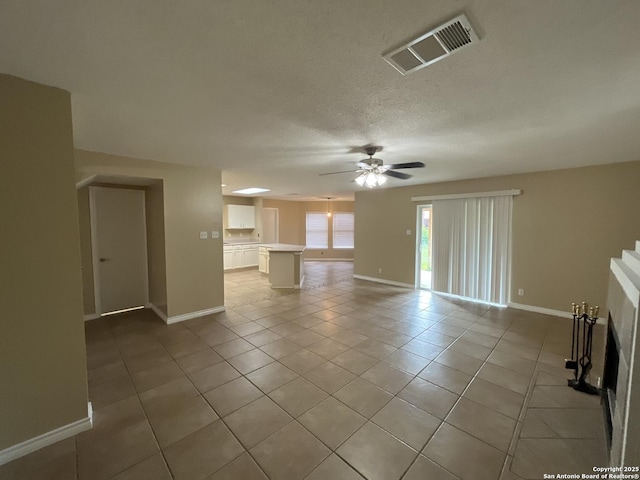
250	361
406	422
354	361
302	361
153	467
376	454
181	419
429	397
387	377
256	421
364	397
334	468
500	399
242	468
463	455
329	377
231	396
203	452
211	377
197	361
292	452
425	469
446	377
271	377
483	423
332	422
298	396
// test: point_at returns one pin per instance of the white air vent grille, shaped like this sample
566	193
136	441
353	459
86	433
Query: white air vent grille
435	45
454	36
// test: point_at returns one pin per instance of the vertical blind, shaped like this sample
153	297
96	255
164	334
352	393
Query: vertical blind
343	230
317	230
471	247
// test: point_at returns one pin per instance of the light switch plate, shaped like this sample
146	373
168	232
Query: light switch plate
408	232
215	234
204	235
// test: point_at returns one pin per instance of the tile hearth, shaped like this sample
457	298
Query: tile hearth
344	379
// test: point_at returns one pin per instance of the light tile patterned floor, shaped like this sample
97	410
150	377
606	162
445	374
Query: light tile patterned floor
342	380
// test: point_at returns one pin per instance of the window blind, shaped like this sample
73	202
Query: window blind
471	247
343	230
317	230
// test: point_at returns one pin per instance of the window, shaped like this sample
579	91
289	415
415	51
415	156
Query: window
317	230
343	230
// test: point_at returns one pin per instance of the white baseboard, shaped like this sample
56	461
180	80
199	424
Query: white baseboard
91	316
548	311
158	312
190	315
386	282
36	443
323	259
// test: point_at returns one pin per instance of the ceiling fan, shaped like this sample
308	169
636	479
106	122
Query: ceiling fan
373	172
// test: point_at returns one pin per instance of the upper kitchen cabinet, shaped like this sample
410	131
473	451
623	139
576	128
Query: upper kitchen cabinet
241	216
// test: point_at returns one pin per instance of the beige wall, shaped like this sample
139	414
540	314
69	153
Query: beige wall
43	375
566	226
84	217
156	250
192	203
292	225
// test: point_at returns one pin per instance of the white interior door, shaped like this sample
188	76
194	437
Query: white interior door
119	241
269	225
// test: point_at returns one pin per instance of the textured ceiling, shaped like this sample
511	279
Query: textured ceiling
276	92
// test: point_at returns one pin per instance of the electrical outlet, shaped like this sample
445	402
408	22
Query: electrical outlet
408	232
380	270
521	292
204	235
215	234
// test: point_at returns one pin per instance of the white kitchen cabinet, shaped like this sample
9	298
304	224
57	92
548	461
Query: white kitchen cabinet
240	256
263	260
250	256
228	258
241	217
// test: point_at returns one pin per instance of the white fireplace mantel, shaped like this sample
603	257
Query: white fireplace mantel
623	301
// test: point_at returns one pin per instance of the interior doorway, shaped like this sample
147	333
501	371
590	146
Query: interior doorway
119	248
424	256
269	225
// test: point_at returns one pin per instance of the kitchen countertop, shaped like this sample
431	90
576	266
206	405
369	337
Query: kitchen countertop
249	242
283	247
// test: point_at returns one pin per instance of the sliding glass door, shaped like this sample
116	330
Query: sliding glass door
471	247
424	247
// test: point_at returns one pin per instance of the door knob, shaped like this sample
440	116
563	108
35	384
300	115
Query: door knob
103	259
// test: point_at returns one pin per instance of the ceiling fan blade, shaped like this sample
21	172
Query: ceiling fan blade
334	173
406	165
400	175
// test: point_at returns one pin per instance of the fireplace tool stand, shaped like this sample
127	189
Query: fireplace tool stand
582	338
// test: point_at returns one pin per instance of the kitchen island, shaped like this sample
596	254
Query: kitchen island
284	263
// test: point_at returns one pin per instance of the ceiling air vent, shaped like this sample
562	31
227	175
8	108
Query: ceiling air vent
435	45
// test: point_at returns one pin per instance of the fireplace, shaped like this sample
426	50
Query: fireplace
610	379
621	380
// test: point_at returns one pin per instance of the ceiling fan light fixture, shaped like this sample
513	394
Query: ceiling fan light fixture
371	180
360	179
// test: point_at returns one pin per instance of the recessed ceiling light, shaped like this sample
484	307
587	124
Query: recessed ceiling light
252	190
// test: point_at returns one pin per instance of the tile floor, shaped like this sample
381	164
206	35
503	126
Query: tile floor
345	379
